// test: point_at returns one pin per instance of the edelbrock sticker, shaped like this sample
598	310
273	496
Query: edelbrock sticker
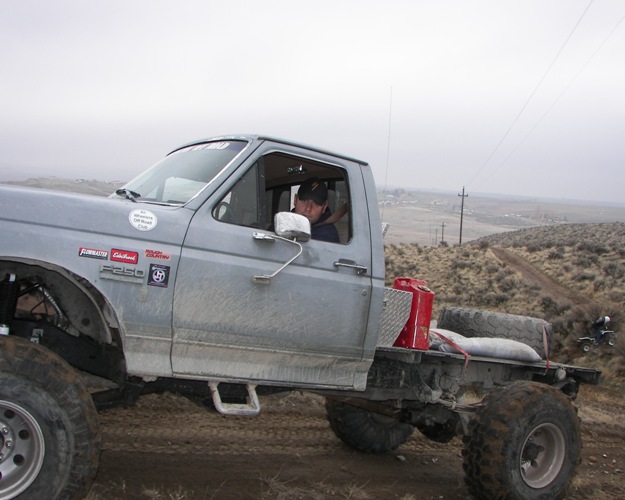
143	220
127	256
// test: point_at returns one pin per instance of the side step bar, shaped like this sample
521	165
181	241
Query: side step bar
251	409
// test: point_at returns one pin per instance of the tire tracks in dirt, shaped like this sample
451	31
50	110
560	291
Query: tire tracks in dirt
167	446
534	275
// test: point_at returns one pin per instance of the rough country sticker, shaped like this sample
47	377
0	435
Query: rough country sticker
121	273
157	254
124	256
143	220
92	253
159	275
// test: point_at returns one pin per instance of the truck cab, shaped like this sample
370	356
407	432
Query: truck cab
309	325
167	270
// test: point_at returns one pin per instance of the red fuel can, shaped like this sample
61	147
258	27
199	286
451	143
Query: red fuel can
416	333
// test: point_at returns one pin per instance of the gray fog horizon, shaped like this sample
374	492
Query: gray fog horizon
516	98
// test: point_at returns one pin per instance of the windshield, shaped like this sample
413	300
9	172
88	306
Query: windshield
180	176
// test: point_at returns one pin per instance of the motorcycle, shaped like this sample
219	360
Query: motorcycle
608	337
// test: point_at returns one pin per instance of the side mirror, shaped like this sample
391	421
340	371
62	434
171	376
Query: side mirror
292	226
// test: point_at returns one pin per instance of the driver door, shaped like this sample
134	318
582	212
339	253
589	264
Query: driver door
307	325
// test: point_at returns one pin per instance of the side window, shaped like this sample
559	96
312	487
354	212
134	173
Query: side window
271	185
243	204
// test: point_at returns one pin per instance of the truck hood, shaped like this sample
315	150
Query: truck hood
92	215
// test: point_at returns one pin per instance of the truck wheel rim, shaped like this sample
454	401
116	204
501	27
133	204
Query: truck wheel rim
22	449
542	456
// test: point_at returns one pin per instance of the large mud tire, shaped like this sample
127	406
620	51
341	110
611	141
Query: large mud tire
477	323
50	442
364	430
525	443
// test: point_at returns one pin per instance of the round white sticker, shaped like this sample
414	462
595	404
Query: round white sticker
143	220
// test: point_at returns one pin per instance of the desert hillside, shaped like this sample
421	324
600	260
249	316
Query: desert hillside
568	274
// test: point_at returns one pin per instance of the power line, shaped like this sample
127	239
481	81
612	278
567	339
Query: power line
579	72
516	119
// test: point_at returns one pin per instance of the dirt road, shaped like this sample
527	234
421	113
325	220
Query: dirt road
168	447
548	285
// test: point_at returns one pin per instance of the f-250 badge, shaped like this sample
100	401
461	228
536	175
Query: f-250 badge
121	273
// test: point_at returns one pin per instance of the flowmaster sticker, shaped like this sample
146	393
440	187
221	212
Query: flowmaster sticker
143	220
93	253
159	275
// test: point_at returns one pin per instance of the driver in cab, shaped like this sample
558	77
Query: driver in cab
311	201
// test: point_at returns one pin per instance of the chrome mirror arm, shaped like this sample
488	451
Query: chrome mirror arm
265	279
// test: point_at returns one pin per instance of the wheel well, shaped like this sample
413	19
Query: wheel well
58	301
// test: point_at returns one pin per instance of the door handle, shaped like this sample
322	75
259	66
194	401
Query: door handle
351	264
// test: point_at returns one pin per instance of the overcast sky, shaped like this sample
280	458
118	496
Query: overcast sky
521	97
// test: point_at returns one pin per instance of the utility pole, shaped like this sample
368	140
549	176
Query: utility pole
443	232
462	212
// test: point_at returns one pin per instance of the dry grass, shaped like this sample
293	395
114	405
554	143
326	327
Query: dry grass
587	259
118	492
270	488
275	488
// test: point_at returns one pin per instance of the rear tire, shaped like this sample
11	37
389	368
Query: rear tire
477	323
51	443
524	443
586	346
364	430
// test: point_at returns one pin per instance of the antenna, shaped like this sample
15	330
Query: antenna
388	147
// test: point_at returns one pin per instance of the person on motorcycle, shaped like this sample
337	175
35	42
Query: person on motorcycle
599	326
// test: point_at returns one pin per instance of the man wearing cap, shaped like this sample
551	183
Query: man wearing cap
311	201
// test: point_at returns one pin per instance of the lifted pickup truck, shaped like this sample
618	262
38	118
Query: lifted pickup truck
197	278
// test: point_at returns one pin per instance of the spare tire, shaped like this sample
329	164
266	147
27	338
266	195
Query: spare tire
478	323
